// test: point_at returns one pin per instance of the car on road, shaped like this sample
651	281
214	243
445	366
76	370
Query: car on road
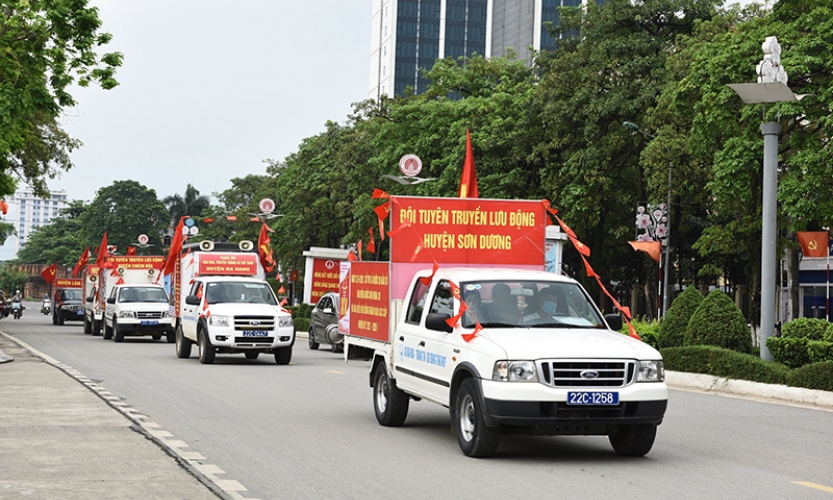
323	326
68	305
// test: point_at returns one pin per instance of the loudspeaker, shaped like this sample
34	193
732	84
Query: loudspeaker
151	271
246	245
206	245
121	271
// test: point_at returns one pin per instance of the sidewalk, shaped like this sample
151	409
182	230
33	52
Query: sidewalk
59	440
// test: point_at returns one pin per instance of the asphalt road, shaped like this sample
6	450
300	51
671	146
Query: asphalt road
307	430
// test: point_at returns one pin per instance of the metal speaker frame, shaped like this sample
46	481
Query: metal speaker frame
206	245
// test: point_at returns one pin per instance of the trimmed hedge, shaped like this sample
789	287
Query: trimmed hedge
302	324
828	333
301	311
819	351
805	328
789	351
725	363
718	322
673	327
814	376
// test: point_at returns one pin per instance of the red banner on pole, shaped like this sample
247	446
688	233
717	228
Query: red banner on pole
324	278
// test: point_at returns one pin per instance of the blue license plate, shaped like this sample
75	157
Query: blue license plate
254	333
79	312
593	398
148	322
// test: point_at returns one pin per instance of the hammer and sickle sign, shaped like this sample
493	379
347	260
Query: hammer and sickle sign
813	245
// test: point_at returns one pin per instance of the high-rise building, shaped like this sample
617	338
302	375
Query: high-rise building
28	211
409	35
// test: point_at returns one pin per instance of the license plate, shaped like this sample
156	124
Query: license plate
254	333
148	322
80	312
593	398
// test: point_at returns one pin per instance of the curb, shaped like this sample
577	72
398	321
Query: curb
822	400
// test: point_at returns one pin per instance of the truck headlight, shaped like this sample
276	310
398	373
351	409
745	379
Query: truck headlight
515	371
164	314
285	321
127	314
68	307
650	371
218	320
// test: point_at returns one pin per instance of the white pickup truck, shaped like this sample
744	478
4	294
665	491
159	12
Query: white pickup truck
135	310
546	362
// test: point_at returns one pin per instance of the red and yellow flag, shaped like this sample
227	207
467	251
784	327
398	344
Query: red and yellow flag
813	243
101	257
49	274
468	182
264	250
82	261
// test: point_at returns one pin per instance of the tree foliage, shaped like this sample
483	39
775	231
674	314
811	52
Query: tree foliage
58	241
47	46
190	203
11	279
718	322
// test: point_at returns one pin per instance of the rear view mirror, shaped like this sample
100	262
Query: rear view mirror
89	300
192	300
436	322
111	300
614	321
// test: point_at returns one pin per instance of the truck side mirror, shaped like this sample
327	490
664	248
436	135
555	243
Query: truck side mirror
436	322
89	300
614	321
111	300
192	300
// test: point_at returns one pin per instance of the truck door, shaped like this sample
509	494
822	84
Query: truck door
190	313
423	356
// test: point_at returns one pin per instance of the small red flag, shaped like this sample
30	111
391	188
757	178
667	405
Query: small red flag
652	248
477	329
50	273
382	212
4	207
284	302
813	243
176	248
378	193
82	261
581	247
131	250
351	256
231	217
281	290
426	280
405	223
101	257
359	247
371	245
208	220
468	181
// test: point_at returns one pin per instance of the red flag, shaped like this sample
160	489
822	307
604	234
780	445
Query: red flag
131	250
427	279
371	245
264	250
359	247
378	193
208	220
652	248
231	217
4	207
581	247
405	223
589	270
50	273
468	182
176	248
82	261
477	329
101	257
813	243
284	302
281	290
351	256
418	248
382	212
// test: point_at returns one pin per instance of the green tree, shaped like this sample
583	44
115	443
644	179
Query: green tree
718	322
124	210
673	326
11	279
190	203
47	46
58	241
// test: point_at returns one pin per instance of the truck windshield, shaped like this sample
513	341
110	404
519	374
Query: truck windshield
72	294
143	294
524	304
239	293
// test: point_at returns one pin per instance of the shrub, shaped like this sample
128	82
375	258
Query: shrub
814	376
648	332
672	329
301	311
789	351
828	333
718	322
805	328
724	363
302	324
819	350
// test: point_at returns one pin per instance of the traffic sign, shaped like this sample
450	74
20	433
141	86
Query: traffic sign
143	239
267	205
410	165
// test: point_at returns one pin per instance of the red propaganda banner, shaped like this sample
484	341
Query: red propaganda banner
344	297
369	300
137	261
468	230
68	283
234	264
324	278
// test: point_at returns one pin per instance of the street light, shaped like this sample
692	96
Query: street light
665	306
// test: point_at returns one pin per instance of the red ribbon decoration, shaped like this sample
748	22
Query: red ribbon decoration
378	193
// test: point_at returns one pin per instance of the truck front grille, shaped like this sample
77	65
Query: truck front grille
586	373
149	314
254	323
253	341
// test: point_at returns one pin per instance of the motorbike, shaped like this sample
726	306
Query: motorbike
46	307
17	309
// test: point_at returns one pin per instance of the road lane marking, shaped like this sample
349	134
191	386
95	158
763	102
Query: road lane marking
814	485
336	372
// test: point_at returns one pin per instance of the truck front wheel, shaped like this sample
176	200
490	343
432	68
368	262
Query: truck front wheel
88	328
283	355
183	345
118	333
389	402
96	328
207	350
108	330
633	440
476	439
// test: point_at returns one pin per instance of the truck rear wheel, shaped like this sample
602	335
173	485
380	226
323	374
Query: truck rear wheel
183	345
60	320
633	440
389	402
170	336
476	439
283	355
207	350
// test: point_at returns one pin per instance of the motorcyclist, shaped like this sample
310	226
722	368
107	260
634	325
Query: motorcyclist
17	297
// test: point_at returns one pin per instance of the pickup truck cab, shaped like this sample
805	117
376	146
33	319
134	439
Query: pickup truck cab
234	314
136	310
536	357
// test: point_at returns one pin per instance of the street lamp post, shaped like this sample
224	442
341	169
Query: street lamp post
667	265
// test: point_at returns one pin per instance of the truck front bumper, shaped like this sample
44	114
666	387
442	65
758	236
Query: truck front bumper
137	327
232	340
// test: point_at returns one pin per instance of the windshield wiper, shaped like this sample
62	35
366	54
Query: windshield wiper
495	324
